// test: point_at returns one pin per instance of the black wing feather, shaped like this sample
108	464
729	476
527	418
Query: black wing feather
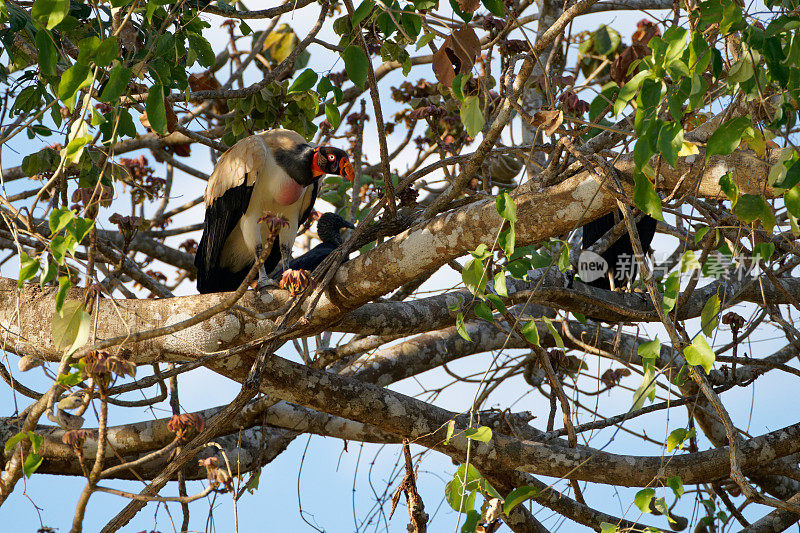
221	218
307	213
621	248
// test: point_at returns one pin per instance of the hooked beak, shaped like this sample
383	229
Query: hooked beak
347	168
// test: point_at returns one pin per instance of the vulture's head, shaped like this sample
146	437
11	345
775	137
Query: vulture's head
332	160
330	226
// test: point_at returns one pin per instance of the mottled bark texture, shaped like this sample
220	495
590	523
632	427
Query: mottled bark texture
418	250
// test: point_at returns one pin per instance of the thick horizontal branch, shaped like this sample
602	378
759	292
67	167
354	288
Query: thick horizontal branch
426	425
417	251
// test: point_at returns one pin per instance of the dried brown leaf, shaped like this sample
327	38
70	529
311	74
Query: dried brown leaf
457	55
469	6
549	120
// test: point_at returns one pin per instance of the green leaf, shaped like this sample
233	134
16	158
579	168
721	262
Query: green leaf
49	13
332	114
727	137
106	52
506	207
500	284
482	311
356	65
451	426
554	332
741	71
59	247
650	349
474	277
471	522
64	285
32	463
482	434
87	48
80	228
79	138
201	47
642	152
425	39
59	218
508	240
792	200
563	258
28	268
411	23
628	91
497	302
460	328
647	389
73	80
304	82
519	495
70	327
675	37
531	333
670	141
460	491
13	441
495	7
676	485
49	271
48	54
472	116
643	498
677	437
36	440
792	176
729	188
700	353
671	285
751	207
481	252
362	11
118	80
645	196
606	40
764	250
605	527
709	317
660	505
70	380
156	112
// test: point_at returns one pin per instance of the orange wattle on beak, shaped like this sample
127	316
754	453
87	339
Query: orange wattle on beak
347	168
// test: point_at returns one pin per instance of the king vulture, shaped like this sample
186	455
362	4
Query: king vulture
329	228
274	172
619	256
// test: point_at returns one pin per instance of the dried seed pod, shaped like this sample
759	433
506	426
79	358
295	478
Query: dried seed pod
76	437
182	424
296	281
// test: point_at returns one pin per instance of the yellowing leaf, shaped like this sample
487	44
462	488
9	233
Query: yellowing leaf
688	149
70	328
700	353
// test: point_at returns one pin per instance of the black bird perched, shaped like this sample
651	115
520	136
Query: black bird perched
619	257
275	172
329	228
